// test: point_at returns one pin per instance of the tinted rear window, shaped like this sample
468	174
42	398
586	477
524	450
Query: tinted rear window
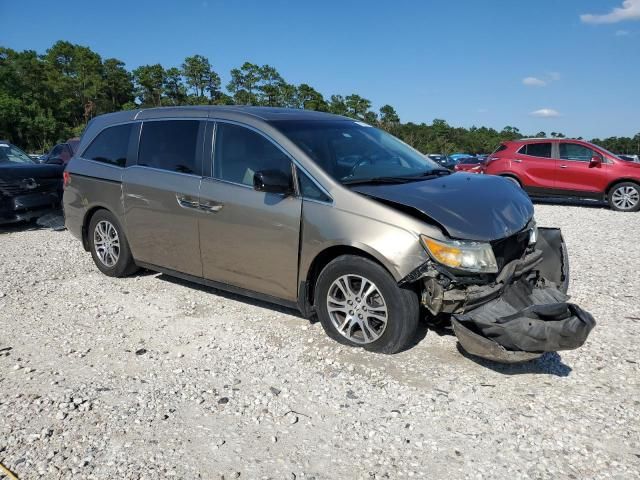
500	148
110	146
170	145
537	150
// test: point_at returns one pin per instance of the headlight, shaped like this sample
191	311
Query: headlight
470	256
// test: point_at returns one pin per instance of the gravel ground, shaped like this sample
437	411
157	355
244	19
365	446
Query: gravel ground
150	377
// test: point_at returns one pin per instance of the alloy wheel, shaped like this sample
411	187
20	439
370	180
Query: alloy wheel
106	243
625	197
357	309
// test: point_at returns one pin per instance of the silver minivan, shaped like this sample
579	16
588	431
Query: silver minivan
325	214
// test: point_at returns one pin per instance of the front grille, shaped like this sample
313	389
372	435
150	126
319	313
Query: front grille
511	248
15	187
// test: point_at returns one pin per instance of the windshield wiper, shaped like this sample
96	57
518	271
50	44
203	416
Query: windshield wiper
378	180
437	172
434	172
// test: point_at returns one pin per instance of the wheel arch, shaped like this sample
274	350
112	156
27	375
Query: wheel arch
322	259
511	175
87	219
617	181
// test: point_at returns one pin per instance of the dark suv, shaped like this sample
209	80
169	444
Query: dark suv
565	167
325	214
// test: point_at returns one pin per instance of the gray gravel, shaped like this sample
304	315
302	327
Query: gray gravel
150	377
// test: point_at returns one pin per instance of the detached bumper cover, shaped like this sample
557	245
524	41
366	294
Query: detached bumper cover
528	313
523	323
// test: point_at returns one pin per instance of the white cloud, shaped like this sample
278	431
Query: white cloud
630	10
545	113
534	82
622	33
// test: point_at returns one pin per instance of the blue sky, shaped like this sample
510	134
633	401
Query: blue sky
571	65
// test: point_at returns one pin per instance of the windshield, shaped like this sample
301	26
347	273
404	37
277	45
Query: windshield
12	154
352	151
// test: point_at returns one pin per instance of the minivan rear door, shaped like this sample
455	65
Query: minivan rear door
248	239
161	195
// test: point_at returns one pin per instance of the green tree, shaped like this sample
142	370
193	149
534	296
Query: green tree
118	85
149	81
174	89
388	117
201	78
310	99
243	84
357	106
338	105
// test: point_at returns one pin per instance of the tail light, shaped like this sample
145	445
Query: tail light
66	179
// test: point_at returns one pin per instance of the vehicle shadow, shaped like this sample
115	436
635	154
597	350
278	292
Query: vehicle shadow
549	363
229	295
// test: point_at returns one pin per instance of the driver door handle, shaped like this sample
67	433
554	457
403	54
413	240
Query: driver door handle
211	206
187	201
518	161
563	166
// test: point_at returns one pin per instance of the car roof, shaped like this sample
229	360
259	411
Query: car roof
264	113
246	114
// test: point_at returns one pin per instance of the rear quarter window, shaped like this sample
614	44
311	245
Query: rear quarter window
110	146
542	150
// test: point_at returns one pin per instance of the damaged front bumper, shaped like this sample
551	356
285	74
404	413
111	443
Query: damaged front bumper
521	313
24	208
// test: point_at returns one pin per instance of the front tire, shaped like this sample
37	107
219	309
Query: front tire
109	246
360	304
625	197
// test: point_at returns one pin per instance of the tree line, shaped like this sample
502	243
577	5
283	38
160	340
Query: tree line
47	98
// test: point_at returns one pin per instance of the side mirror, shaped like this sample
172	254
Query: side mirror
272	181
596	161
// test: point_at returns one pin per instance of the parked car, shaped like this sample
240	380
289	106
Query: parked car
62	152
443	160
27	189
565	167
470	165
325	214
459	156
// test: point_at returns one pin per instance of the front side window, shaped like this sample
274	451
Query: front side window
576	152
542	150
110	146
240	153
309	190
12	154
170	145
354	152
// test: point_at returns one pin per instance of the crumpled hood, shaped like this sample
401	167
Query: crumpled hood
467	206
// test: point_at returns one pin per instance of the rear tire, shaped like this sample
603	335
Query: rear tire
360	304
624	197
109	246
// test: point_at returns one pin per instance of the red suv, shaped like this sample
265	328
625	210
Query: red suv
564	167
